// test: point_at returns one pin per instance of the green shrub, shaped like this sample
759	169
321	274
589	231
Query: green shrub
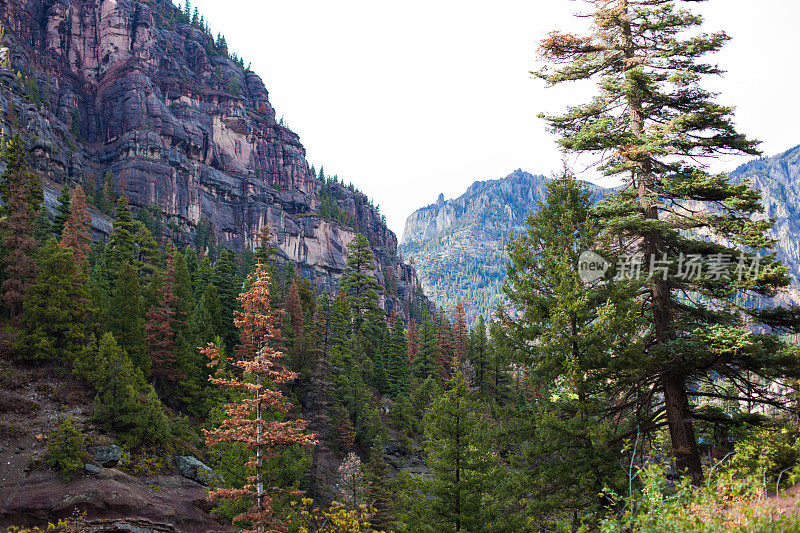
725	504
66	450
767	454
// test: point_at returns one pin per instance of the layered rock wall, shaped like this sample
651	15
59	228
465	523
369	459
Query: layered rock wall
123	86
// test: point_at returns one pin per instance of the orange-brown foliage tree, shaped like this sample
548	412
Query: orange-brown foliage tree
252	421
413	340
77	231
460	333
161	326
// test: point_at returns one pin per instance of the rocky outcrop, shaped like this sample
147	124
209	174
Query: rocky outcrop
112	501
123	86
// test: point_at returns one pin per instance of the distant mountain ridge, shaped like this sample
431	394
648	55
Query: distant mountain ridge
458	245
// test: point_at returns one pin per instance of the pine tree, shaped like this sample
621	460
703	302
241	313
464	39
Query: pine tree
66	450
478	355
62	211
206	321
149	256
340	324
56	316
252	422
123	244
345	434
124	404
76	232
653	124
265	253
445	363
413	341
42	228
126	317
377	492
228	288
425	363
577	338
465	471
107	198
398	363
19	175
20	247
295	310
202	276
360	285
184	295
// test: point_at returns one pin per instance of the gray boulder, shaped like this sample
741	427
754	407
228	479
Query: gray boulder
107	456
192	468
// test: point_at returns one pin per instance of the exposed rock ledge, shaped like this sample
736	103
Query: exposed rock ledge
113	501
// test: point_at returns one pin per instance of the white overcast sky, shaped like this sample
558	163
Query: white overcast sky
415	98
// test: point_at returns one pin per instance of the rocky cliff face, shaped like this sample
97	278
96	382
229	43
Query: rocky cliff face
459	246
778	180
123	86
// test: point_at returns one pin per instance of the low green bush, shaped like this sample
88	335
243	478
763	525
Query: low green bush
66	450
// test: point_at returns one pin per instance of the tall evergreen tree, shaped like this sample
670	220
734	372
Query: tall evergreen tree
161	327
124	403
206	321
413	340
56	316
377	491
478	354
228	288
398	364
62	211
579	340
122	245
358	281
654	124
126	317
19	174
445	363
425	363
465	471
340	326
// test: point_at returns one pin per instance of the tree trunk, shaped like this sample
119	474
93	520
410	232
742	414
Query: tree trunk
259	474
681	430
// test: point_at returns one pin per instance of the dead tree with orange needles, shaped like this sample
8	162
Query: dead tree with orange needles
251	421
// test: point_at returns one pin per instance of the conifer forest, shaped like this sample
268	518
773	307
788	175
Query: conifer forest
200	331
